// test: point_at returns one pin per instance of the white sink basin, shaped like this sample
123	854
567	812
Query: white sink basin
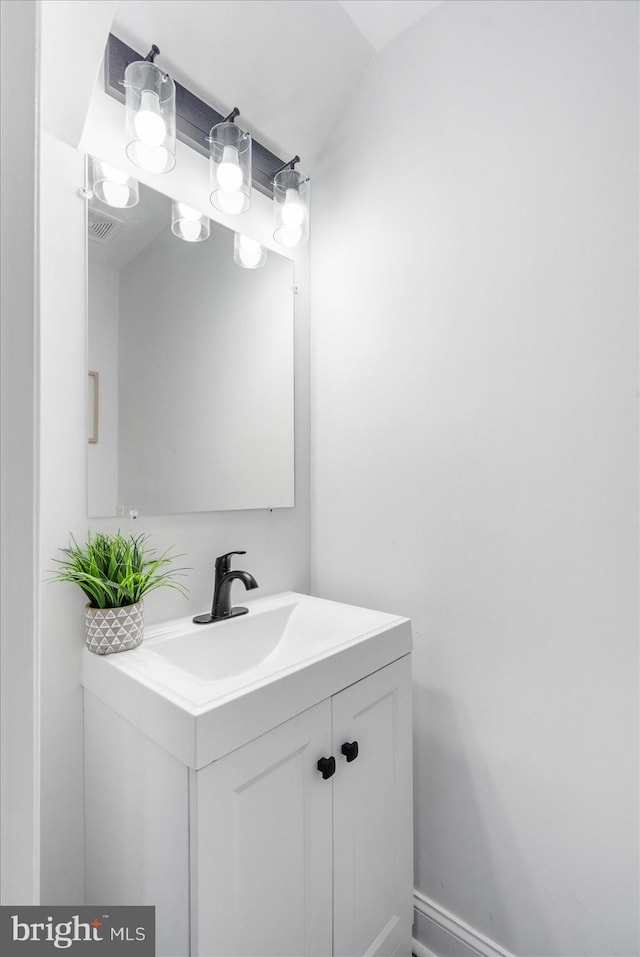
215	651
203	690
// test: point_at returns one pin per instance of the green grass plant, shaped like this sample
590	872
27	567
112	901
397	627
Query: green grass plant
114	570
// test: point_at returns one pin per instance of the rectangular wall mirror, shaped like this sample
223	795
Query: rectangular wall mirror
192	358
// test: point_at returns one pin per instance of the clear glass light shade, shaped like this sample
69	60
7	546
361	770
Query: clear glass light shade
291	193
189	224
230	167
247	252
150	117
111	186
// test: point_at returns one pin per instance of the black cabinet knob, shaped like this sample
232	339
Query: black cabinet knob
327	767
350	750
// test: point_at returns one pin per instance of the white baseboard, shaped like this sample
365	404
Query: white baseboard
445	935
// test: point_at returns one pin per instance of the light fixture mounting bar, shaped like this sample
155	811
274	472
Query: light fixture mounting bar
194	117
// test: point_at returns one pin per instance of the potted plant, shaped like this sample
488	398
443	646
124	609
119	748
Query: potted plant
115	573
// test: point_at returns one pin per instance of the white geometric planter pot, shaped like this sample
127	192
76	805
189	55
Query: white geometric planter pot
114	629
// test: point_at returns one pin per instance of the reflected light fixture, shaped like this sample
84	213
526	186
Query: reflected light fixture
290	205
111	186
230	166
247	252
150	115
188	223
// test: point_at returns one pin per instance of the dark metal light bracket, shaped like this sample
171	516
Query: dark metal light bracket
194	117
290	165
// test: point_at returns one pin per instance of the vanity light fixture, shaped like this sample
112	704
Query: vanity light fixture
188	223
247	252
230	166
194	121
111	186
290	205
150	115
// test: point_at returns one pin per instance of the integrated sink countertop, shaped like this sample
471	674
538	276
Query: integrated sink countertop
201	691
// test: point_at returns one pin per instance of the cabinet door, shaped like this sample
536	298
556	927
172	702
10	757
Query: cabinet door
261	847
372	826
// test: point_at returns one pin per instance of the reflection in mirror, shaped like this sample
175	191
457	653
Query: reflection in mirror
195	364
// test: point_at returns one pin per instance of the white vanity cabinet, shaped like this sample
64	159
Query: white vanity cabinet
267	812
257	854
286	862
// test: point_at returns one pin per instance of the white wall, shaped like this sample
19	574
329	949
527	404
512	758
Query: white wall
474	382
19	671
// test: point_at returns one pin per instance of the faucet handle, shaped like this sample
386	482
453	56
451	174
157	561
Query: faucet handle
223	562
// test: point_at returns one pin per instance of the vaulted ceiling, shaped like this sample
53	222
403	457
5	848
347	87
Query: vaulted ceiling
380	21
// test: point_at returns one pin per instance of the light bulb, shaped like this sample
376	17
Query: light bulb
249	251
149	125
229	173
289	235
293	210
188	223
229	202
115	194
250	257
190	229
114	187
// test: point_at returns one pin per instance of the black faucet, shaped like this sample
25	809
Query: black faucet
222	591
